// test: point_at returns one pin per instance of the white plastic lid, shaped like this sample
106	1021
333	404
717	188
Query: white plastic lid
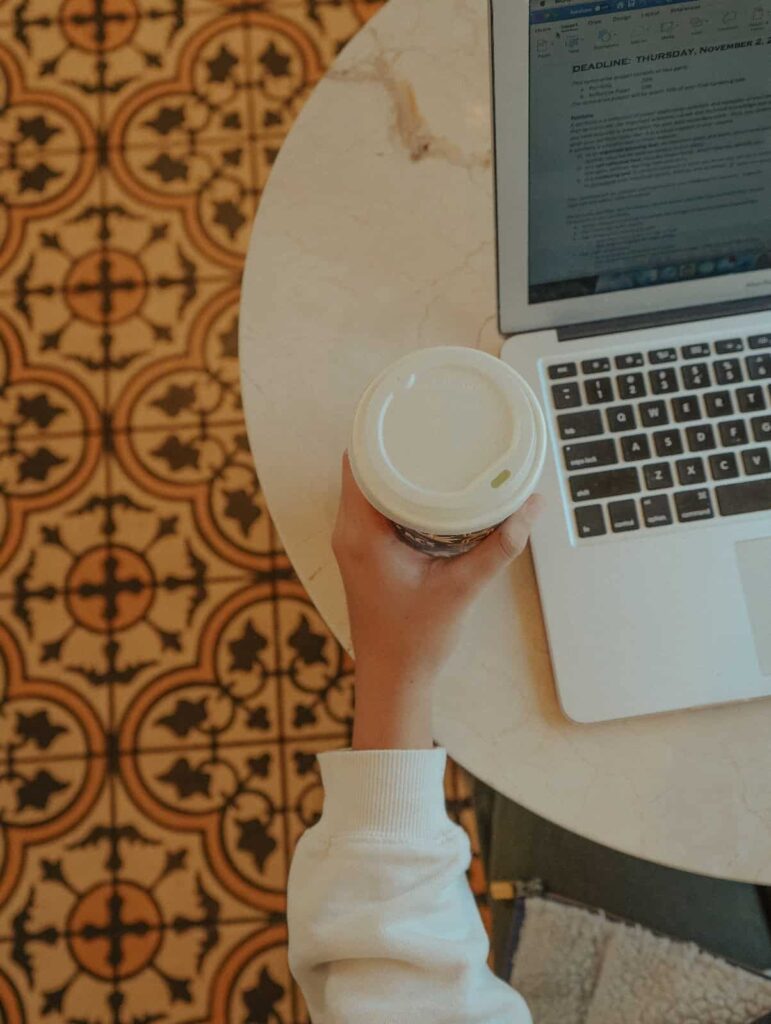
448	440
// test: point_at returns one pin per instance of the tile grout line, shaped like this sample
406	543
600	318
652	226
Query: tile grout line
251	111
112	767
172	748
155	585
244	576
68	435
253	172
267	918
247	580
238	135
214	278
280	717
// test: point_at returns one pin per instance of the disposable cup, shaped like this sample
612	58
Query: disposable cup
447	443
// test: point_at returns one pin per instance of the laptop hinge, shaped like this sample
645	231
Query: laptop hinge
573	332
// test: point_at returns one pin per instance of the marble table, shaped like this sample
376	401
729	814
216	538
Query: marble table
375	236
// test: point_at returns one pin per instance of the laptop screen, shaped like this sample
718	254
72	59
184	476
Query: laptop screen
650	143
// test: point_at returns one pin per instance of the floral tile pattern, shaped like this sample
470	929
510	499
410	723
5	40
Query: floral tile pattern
165	682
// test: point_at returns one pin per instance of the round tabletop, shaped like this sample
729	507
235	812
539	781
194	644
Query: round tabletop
375	236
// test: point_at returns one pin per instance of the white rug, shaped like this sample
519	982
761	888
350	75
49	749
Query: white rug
574	966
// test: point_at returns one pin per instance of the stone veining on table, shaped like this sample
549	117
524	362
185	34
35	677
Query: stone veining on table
409	128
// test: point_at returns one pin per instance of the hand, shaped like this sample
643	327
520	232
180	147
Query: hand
405	611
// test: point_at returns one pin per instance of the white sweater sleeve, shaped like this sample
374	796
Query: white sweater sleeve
383	927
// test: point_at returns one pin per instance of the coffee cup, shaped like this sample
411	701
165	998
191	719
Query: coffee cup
447	443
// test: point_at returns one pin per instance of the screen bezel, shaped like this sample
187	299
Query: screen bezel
509	25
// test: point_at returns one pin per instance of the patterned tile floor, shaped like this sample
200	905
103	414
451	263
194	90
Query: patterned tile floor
164	680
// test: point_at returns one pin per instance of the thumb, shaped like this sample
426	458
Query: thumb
476	568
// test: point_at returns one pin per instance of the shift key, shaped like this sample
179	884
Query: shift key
609	483
580	424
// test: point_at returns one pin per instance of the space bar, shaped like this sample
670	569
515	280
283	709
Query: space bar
752	496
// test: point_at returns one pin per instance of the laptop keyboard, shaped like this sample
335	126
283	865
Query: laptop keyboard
665	436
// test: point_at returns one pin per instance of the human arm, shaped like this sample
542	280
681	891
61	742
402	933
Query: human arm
383	927
382	924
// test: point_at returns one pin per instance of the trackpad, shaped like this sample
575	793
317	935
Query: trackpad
754	558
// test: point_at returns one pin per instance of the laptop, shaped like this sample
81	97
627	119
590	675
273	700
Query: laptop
633	207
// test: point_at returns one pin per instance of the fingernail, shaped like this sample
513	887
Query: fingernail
535	504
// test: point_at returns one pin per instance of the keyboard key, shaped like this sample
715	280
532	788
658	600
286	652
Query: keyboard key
654	414
596	365
623	516
729	345
693	505
759	366
668	442
686	408
719	403
760	341
756	461
590	521
610	483
631	385
751	399
662	355
565	396
656	510
560	370
695	375
657	475
749	496
635	446
690	471
723	466
598	389
620	417
761	428
629	360
733	432
700	438
695	351
663	381
579	424
728	371
589	454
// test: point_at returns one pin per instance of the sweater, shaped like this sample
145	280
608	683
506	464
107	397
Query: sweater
383	927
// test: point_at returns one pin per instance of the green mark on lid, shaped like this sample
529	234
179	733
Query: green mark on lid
502	477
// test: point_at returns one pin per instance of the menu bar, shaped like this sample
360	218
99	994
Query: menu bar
587	10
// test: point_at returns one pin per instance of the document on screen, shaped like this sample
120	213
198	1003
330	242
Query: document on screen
650	143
